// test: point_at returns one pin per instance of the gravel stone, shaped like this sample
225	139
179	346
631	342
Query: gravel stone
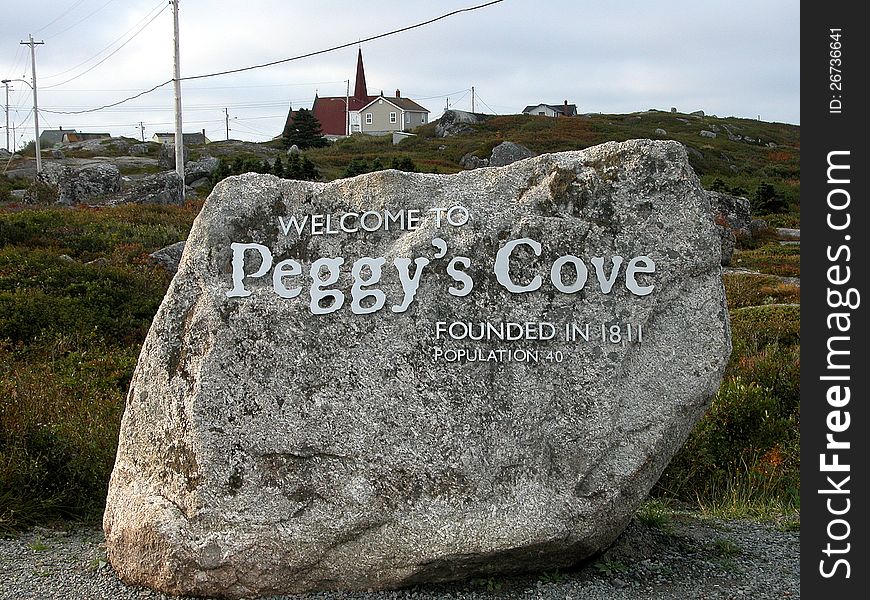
680	564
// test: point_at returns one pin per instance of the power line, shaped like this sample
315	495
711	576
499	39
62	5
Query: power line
285	60
85	18
112	43
118	49
60	16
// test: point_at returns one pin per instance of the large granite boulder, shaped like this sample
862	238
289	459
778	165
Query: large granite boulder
457	122
463	391
90	184
165	187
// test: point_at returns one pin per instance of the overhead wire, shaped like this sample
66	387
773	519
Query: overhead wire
60	16
112	43
118	49
286	60
80	21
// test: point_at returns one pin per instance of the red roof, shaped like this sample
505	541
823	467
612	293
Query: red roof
331	112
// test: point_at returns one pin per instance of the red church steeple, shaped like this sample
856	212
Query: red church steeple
359	89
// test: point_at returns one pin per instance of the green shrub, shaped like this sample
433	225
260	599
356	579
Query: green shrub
743	290
40	292
754	327
63	397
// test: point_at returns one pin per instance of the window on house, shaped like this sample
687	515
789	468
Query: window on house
407	117
422	118
368	118
541	113
392	117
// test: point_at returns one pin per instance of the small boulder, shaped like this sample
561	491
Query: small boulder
88	184
294	149
170	256
141	150
707	134
757	227
471	161
166	187
697	113
456	122
199	169
507	153
166	156
661	132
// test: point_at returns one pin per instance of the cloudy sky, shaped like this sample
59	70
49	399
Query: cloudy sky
727	58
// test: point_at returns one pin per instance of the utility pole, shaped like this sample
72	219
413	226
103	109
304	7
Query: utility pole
472	98
142	130
227	114
33	46
6	83
179	135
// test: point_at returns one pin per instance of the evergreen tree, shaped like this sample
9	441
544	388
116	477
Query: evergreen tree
403	164
309	171
292	170
357	166
766	201
304	131
377	165
278	167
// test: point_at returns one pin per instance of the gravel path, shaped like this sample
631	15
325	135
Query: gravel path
682	559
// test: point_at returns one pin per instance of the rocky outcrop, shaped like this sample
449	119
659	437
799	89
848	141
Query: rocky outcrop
166	187
166	156
200	169
400	377
457	122
90	184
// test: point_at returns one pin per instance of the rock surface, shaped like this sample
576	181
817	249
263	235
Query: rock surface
166	156
166	187
200	169
91	183
170	256
507	153
456	122
265	449
471	161
732	217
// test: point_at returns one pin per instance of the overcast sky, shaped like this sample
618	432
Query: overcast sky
727	58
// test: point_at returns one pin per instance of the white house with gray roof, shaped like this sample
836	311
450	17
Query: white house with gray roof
386	114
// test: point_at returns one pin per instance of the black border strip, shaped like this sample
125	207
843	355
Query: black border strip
834	112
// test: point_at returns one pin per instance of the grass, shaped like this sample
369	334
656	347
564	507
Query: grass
743	457
657	513
773	258
70	334
744	290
